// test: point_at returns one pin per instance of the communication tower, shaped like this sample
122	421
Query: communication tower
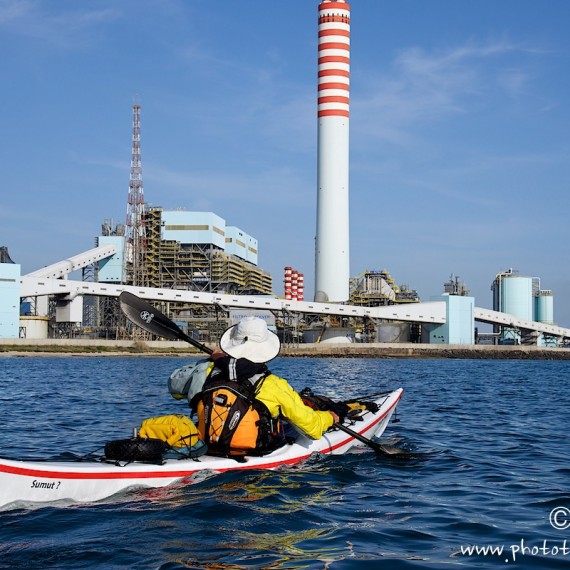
135	231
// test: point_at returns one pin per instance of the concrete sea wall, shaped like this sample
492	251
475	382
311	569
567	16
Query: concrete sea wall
83	347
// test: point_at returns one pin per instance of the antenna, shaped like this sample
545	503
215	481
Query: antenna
135	230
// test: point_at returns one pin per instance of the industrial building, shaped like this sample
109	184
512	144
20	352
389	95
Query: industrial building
174	249
199	250
46	304
184	250
190	250
378	288
204	273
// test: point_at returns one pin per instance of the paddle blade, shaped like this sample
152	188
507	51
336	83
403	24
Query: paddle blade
393	450
153	321
147	317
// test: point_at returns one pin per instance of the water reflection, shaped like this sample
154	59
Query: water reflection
286	549
286	490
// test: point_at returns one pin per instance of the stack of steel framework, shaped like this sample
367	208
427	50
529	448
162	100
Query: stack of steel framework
198	267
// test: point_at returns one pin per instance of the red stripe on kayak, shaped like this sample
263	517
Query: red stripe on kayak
137	474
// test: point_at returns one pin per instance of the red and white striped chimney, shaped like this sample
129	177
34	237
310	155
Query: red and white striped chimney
332	263
294	283
287	282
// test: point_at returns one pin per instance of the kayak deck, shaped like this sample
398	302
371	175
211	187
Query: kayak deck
25	482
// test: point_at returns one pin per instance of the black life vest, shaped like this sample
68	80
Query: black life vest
230	418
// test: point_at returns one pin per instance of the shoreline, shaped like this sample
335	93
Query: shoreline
122	348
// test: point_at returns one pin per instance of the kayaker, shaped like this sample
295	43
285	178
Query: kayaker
240	366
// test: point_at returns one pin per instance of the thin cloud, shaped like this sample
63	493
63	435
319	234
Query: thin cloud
14	10
424	87
266	187
30	18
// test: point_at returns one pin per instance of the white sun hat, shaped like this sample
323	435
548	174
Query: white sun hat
250	339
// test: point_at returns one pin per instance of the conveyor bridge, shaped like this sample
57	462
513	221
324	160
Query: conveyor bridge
52	280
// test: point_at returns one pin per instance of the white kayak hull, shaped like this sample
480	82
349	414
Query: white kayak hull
28	482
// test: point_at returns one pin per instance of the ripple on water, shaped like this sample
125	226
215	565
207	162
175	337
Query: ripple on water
489	466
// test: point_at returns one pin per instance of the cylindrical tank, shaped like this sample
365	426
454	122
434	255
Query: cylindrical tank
329	335
516	296
544	305
34	327
393	332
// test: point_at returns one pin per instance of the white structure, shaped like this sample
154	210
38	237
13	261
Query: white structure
241	245
62	269
39	284
332	262
414	312
33	327
194	227
207	228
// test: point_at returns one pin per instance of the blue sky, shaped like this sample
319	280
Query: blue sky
460	139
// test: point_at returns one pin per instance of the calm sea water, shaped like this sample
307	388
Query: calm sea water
491	465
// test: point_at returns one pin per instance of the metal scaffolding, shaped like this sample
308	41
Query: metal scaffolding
135	231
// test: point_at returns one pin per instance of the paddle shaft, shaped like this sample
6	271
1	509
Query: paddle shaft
379	449
190	340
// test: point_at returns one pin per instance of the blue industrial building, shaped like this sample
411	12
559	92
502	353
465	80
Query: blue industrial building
459	325
9	300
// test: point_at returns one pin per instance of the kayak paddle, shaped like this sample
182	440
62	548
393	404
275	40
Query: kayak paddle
153	321
379	449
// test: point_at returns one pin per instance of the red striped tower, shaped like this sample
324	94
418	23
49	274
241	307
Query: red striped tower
287	282
294	284
300	287
332	263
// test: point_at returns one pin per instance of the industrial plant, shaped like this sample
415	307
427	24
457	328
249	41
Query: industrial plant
202	271
523	297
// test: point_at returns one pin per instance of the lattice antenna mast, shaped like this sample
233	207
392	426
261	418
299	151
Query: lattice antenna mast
135	230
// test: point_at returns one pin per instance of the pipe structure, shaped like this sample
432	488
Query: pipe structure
332	262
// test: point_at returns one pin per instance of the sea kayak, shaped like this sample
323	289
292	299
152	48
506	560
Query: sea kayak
24	483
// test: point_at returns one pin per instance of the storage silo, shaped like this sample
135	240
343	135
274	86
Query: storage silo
544	306
516	296
513	294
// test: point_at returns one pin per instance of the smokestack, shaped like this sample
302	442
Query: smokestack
332	263
287	282
300	287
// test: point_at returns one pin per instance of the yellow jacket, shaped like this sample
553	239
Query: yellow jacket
281	399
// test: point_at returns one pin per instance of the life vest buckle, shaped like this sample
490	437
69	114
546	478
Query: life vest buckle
221	399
